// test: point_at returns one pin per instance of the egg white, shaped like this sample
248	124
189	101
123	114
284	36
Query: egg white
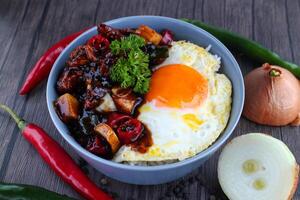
181	133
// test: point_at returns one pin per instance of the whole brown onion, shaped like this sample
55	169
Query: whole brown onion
272	96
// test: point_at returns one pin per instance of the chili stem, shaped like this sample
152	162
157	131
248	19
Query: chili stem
274	73
20	122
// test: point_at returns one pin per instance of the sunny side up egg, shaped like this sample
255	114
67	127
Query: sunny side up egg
186	109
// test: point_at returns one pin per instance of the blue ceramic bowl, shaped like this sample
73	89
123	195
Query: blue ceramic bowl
148	175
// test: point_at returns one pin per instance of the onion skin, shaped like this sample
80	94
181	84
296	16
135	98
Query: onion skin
272	100
296	122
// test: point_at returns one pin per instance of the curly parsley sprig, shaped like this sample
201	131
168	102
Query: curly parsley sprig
132	67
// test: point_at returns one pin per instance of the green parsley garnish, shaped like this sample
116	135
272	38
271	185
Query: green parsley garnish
132	67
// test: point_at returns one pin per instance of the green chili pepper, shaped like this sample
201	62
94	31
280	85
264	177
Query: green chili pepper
28	192
248	47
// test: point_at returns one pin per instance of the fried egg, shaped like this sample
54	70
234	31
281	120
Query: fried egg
186	109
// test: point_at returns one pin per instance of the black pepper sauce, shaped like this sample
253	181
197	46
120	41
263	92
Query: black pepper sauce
143	144
94	71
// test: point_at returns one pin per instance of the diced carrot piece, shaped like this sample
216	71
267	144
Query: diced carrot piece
149	34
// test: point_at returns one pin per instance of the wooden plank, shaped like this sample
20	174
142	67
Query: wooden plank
293	25
14	56
213	12
60	19
9	23
21	48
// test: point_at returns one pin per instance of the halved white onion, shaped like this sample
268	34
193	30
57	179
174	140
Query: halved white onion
257	166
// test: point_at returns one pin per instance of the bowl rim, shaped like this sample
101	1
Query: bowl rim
203	154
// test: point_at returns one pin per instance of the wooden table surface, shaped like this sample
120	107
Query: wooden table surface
29	27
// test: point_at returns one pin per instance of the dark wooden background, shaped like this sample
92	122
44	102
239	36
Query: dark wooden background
29	27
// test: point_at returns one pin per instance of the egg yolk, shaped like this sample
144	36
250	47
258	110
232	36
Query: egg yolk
177	86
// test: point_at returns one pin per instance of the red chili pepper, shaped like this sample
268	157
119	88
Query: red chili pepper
42	68
57	158
98	41
116	119
130	131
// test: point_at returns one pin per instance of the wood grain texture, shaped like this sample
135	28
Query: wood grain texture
29	27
